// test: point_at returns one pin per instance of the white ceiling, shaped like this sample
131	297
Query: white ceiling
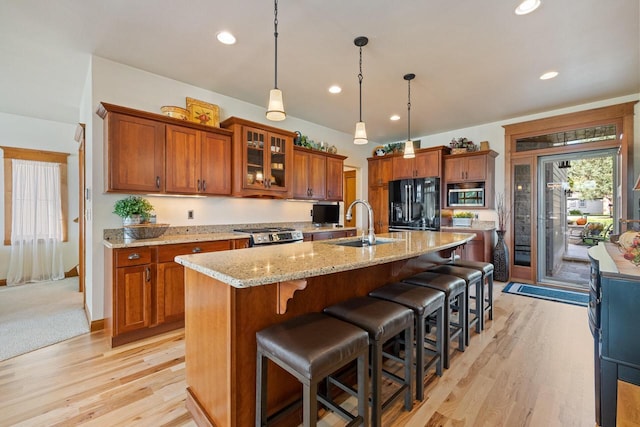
475	61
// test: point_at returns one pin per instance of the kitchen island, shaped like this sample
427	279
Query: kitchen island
232	295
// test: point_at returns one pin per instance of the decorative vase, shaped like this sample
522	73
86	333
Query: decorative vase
132	220
501	258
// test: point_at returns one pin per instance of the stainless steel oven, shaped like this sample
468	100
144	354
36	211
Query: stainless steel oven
271	235
465	197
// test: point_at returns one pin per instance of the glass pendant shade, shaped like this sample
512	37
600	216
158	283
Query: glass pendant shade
408	150
360	137
275	110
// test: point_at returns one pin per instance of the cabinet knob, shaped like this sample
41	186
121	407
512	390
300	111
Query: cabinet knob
134	256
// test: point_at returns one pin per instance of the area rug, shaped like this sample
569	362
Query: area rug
36	315
551	294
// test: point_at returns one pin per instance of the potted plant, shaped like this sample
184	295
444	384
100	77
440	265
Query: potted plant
133	210
462	219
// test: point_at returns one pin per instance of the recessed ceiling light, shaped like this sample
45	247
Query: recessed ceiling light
225	37
395	117
335	89
548	75
527	6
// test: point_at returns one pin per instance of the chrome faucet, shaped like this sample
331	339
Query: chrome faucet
371	237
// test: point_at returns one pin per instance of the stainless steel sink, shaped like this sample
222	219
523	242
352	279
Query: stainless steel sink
359	243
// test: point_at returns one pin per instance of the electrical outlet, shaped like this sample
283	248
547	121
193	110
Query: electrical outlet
189	214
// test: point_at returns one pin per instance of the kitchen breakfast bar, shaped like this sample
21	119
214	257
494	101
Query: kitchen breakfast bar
231	295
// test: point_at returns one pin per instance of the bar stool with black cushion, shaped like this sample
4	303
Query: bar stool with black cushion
487	279
455	291
472	278
383	320
310	347
426	303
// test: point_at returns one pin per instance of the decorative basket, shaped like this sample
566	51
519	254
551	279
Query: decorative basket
458	150
145	231
175	112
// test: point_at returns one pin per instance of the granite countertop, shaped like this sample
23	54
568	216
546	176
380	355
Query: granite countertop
258	266
324	229
172	239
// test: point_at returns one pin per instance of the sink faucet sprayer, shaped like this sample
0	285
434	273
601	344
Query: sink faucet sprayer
371	238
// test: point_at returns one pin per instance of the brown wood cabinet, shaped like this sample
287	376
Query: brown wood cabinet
477	167
330	234
480	248
317	175
380	173
197	162
153	153
262	159
147	292
427	162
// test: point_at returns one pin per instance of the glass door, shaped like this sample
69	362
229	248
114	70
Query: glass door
575	211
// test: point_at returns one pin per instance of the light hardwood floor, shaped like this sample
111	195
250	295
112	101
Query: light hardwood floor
532	366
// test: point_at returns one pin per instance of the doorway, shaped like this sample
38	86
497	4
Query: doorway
576	210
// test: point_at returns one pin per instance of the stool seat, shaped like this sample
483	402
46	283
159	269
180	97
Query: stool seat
304	345
311	347
443	282
484	267
426	303
470	275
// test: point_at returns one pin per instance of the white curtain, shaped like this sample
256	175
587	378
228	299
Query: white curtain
36	228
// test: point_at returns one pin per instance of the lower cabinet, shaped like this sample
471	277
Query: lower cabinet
325	235
480	248
148	287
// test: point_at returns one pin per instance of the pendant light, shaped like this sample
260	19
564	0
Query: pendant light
408	145
360	136
275	110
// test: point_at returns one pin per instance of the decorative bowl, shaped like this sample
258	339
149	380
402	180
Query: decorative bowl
145	231
175	112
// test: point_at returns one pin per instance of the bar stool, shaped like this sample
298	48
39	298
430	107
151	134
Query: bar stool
487	279
310	347
471	278
455	291
425	303
383	320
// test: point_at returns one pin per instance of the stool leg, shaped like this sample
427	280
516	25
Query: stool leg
408	367
490	294
363	389
446	342
463	313
261	390
440	337
480	305
376	381
420	334
310	404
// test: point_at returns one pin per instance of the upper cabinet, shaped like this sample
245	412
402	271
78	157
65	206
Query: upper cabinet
380	171
317	175
469	179
427	162
262	158
153	153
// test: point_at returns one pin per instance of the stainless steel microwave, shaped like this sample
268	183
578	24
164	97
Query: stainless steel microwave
469	197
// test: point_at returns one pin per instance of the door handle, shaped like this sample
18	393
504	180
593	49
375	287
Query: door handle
157	182
204	185
147	272
198	186
196	250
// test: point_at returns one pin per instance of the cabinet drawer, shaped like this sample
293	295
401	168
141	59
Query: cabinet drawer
133	256
167	253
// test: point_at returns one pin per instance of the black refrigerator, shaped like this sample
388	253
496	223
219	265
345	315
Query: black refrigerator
414	204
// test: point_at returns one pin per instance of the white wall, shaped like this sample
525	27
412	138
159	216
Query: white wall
123	85
28	132
494	133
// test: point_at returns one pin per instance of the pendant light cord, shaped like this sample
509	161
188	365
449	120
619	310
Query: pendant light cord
409	111
360	83
275	35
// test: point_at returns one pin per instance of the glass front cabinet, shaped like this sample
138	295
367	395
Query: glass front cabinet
262	158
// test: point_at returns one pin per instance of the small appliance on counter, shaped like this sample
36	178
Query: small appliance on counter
414	204
323	214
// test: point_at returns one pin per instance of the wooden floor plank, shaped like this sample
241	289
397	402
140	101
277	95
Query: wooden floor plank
532	366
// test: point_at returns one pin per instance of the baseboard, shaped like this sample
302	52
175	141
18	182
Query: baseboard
72	273
3	282
94	325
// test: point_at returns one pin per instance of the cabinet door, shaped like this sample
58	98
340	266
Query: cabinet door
183	160
403	168
427	164
380	171
254	140
277	162
335	179
215	164
170	292
135	154
318	176
133	298
300	184
454	169
379	200
476	168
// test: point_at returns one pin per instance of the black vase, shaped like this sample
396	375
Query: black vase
501	258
